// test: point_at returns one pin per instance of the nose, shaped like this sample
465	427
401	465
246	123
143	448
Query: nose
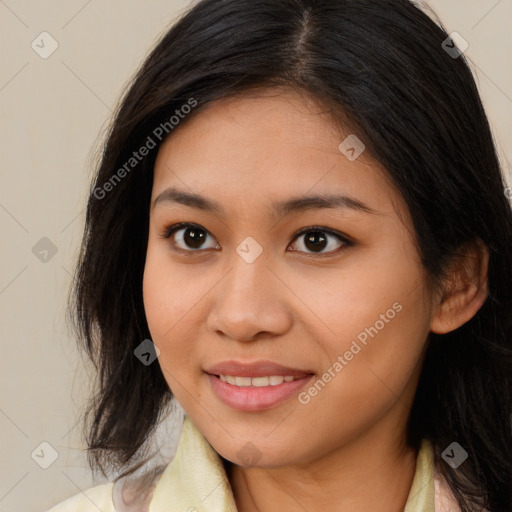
250	302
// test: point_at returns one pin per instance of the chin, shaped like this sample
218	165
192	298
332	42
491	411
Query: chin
250	456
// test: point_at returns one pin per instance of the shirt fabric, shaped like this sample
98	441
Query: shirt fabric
195	481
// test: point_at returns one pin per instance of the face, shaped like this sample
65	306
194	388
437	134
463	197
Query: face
331	294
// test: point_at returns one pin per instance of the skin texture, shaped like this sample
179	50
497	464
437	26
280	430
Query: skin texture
345	449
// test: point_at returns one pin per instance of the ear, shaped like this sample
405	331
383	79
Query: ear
465	290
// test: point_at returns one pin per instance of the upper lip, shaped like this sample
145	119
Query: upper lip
255	369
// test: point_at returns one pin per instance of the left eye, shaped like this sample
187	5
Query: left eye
316	239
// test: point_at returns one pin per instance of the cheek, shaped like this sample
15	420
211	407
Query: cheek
168	302
168	290
163	309
374	375
378	293
378	318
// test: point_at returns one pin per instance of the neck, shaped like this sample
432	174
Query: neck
360	477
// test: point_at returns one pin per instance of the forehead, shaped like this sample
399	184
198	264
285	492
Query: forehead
266	146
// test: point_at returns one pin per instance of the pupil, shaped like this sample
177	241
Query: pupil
194	237
314	238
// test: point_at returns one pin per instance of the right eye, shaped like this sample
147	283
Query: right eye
187	236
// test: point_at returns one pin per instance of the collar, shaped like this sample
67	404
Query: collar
195	479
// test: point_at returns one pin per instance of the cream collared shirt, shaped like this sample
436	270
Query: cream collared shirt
195	481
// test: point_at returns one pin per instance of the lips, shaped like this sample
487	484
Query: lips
231	382
256	369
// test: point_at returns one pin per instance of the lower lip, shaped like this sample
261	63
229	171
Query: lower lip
252	398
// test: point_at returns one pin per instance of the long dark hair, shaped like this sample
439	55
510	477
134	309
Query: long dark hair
382	67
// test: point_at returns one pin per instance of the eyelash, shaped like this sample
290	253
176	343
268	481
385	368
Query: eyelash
170	230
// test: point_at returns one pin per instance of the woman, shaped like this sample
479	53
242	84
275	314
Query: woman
298	232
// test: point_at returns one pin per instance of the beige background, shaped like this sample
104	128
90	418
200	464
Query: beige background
52	112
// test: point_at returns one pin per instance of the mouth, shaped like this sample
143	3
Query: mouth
256	386
255	369
269	380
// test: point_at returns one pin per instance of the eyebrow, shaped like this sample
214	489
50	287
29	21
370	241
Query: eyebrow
279	208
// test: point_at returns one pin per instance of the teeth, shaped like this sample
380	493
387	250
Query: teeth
258	381
242	381
272	380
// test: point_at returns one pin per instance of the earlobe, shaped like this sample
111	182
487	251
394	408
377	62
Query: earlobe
465	290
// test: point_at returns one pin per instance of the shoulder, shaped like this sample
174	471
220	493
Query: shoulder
134	493
91	500
127	494
444	499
